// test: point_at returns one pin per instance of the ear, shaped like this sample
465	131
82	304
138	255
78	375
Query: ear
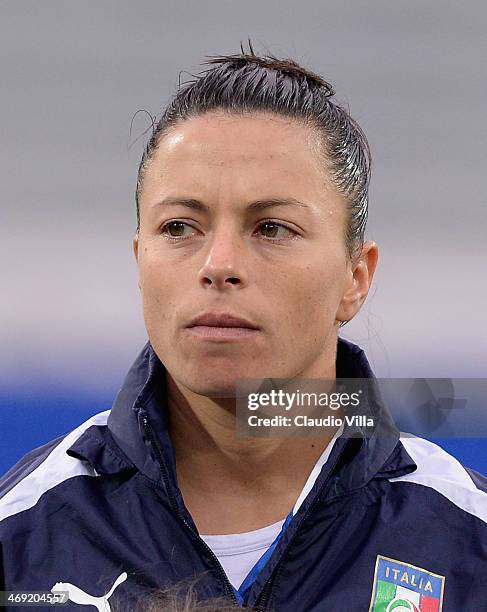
359	281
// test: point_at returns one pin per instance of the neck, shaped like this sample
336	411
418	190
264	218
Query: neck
211	460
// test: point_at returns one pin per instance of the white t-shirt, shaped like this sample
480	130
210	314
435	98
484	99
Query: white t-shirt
239	552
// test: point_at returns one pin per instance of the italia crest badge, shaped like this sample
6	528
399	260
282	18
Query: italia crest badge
401	587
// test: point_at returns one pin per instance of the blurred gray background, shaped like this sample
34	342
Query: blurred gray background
74	73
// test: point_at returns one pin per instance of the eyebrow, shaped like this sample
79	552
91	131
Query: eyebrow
253	206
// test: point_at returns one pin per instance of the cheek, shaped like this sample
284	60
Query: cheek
158	285
154	272
310	292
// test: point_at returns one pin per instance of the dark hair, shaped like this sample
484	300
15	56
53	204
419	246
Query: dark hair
245	83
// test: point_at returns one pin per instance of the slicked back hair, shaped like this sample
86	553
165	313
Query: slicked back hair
245	83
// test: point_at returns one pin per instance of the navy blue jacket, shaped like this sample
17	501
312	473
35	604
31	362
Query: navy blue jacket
390	519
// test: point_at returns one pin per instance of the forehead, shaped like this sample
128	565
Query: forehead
240	156
217	131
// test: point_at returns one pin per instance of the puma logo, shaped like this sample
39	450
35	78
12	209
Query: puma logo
76	595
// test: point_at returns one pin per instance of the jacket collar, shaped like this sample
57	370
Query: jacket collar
143	392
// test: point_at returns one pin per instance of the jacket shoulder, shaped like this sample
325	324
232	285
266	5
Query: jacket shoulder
439	471
24	466
42	469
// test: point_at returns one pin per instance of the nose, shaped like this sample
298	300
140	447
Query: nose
224	266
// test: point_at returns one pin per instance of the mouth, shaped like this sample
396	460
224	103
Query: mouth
222	326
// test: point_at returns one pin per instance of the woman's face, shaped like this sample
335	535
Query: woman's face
237	215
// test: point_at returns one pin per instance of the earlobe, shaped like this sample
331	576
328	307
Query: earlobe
135	246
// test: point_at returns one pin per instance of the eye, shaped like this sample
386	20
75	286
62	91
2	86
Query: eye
174	230
271	229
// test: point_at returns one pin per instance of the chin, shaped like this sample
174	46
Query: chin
214	382
212	388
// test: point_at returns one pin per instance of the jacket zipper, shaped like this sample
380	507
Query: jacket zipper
264	597
261	603
162	463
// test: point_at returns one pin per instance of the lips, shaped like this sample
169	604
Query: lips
222	319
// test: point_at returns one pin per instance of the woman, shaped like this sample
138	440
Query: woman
251	207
